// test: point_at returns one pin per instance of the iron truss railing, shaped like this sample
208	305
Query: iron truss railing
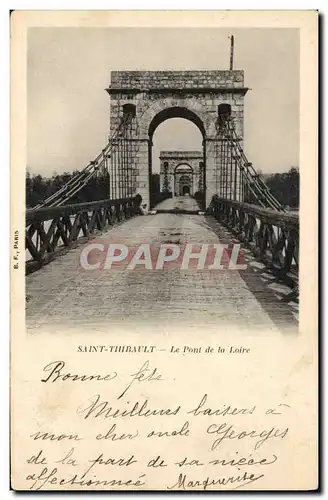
51	231
272	236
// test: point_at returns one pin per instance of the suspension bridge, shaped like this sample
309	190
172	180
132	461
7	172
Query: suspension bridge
233	206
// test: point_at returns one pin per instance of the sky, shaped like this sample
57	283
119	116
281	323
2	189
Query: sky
69	68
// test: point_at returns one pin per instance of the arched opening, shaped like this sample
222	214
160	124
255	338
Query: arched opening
175	112
129	110
174	129
224	113
183	180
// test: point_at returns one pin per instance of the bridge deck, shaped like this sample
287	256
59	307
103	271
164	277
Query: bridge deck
178	203
65	293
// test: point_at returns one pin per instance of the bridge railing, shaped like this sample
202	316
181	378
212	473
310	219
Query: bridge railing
272	236
52	230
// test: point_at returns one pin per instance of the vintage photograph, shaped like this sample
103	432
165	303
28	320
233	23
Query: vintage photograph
164	251
162	186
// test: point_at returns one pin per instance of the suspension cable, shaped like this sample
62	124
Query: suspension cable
79	181
255	176
255	184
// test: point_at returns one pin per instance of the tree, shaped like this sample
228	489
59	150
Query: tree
39	188
285	187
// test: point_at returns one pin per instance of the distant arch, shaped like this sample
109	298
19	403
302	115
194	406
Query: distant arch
183	167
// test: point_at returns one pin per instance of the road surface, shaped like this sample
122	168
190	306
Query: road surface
63	293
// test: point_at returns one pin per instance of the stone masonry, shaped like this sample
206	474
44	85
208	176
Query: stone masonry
176	164
160	95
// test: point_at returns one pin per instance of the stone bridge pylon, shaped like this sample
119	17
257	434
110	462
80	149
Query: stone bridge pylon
155	96
182	172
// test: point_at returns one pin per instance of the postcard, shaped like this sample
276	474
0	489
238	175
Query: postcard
164	250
